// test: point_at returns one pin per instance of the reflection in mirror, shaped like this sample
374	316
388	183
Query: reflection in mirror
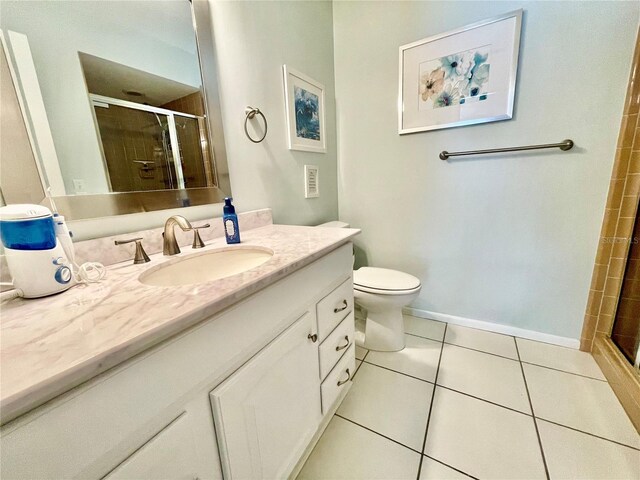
112	94
152	130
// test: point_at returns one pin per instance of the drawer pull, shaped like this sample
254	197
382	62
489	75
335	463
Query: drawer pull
338	348
343	307
313	337
342	382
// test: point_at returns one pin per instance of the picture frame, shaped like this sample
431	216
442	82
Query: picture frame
304	106
461	77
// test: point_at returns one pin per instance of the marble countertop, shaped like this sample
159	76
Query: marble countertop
50	345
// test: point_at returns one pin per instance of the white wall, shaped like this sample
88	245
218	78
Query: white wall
253	40
133	33
508	239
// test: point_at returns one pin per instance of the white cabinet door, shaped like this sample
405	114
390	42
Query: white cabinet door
267	412
170	454
183	450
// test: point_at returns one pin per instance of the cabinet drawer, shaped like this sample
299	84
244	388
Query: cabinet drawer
333	308
338	379
336	344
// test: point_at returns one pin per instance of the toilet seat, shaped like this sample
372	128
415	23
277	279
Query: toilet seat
384	281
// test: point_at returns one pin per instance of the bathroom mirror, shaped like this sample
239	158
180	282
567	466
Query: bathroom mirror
113	97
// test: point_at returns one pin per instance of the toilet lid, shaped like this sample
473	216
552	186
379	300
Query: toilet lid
384	279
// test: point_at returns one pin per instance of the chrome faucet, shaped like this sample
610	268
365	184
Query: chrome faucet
170	246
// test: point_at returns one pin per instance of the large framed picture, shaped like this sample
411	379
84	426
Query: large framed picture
304	104
462	77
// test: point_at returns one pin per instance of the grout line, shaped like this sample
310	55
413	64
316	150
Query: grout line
450	389
481	351
484	330
528	363
433	396
535	422
590	434
452	468
399	373
422	336
564	371
377	433
484	400
361	362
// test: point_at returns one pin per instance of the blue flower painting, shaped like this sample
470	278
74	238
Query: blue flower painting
307	114
455	79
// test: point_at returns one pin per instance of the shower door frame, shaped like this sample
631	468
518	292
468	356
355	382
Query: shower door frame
173	132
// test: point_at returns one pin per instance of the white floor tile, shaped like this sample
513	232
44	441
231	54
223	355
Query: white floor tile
486	376
481	439
423	327
582	403
575	455
419	358
561	358
347	451
389	403
432	470
360	352
490	342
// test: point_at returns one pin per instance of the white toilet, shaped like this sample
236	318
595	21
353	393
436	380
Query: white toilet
382	293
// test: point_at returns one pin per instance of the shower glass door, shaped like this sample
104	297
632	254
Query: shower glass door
626	327
151	148
137	148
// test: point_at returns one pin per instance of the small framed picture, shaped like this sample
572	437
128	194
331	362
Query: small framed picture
462	77
304	104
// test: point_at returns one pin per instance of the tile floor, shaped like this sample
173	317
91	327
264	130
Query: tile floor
463	403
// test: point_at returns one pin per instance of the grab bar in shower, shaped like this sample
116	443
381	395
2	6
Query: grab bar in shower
563	145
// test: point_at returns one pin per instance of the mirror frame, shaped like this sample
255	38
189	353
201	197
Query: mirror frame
79	207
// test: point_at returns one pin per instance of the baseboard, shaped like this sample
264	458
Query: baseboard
495	327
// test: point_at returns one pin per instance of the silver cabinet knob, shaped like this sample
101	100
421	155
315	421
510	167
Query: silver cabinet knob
140	256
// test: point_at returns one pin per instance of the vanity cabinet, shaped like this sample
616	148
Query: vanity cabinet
267	412
240	395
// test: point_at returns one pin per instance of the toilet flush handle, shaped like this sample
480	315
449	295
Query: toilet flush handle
343	307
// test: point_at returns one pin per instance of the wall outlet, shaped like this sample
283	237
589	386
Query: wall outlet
311	181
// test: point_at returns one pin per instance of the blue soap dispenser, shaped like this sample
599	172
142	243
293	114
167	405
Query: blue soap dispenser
230	220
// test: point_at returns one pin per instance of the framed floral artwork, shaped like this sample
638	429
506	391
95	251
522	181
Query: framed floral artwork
304	104
463	77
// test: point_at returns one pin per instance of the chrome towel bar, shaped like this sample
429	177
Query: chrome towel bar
563	145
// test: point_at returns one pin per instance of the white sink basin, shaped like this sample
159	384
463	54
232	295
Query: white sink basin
206	266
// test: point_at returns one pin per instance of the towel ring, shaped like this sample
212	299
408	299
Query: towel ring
251	112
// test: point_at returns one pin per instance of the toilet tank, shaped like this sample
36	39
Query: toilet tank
339	224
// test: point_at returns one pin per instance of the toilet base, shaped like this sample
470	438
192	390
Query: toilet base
384	331
384	325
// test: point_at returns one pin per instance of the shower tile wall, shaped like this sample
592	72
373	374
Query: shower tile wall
617	229
616	238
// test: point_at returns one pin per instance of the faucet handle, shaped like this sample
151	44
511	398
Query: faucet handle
197	240
140	256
